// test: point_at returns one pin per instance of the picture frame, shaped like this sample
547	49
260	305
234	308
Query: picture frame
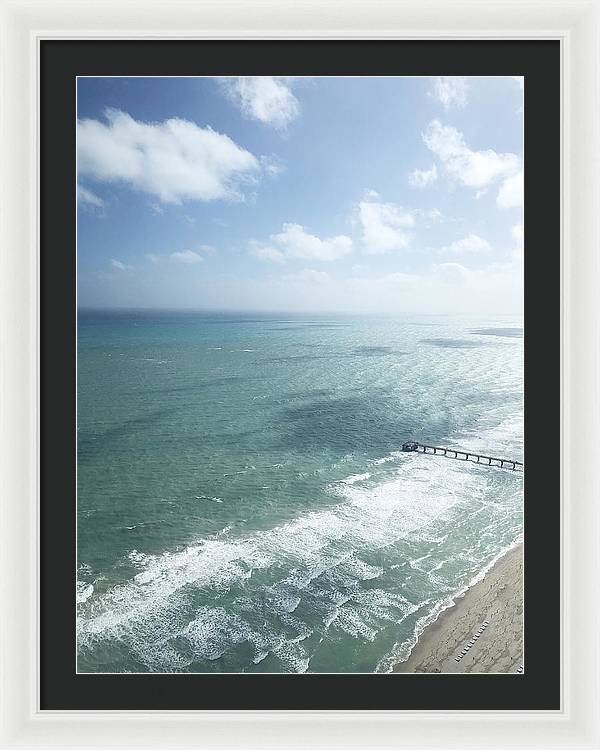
23	724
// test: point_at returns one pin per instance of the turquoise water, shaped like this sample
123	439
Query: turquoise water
242	502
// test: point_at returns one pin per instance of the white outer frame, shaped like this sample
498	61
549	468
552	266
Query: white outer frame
577	24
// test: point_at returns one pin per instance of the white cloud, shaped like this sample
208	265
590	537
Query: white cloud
119	265
472	243
451	273
420	178
451	91
475	169
517	233
510	194
520	80
308	275
268	253
295	242
519	238
371	194
385	227
85	196
173	161
272	165
265	98
187	256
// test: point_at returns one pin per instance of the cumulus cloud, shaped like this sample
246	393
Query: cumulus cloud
188	257
451	91
267	99
173	161
472	243
510	194
153	258
475	169
119	265
86	197
420	178
295	242
385	226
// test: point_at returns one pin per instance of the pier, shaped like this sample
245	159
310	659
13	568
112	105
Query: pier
503	463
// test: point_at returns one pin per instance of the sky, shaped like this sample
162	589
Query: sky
335	194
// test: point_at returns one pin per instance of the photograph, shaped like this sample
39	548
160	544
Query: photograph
300	375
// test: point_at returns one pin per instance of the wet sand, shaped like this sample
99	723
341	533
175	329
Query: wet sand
496	647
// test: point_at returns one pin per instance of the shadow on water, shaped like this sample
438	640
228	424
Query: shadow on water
372	351
359	351
90	443
366	423
454	343
300	358
202	386
509	333
303	326
305	395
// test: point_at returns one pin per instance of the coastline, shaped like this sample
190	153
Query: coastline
497	599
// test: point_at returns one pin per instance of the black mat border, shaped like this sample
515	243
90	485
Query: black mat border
539	687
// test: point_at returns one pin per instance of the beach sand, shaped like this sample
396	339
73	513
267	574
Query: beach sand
498	600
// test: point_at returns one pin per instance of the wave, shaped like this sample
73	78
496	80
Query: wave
83	591
353	478
402	651
289	583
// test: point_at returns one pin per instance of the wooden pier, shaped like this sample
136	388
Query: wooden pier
503	463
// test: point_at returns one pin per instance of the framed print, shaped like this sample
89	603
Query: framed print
245	515
299	378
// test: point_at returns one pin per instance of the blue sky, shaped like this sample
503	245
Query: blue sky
384	195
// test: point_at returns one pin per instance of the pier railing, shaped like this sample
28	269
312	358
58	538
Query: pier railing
478	458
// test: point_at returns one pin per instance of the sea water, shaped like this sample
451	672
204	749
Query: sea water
243	502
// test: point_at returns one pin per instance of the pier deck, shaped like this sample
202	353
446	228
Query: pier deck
509	463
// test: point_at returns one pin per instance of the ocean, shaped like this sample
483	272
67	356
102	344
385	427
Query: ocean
243	502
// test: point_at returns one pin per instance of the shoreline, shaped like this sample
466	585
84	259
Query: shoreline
460	641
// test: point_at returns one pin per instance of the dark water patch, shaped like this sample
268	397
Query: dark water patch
370	423
301	358
372	351
303	395
453	343
510	333
492	399
359	351
90	443
303	326
201	386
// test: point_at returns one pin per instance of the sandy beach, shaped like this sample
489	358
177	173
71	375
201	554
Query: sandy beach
482	632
